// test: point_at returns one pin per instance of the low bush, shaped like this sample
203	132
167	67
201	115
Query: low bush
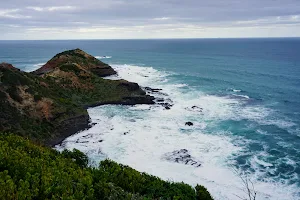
30	171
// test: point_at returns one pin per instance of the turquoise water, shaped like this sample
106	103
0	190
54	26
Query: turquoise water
249	90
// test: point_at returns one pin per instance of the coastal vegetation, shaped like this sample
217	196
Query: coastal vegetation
31	171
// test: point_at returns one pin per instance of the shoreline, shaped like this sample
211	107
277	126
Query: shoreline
86	119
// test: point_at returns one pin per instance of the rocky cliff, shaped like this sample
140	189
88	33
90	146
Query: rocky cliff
50	103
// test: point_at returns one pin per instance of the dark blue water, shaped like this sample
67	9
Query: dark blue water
259	73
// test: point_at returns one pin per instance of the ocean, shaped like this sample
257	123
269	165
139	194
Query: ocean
242	95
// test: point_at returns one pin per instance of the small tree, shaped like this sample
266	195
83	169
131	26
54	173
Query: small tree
248	186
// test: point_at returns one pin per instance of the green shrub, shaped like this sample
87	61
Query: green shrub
7	186
133	181
37	97
70	68
202	193
14	78
80	158
14	94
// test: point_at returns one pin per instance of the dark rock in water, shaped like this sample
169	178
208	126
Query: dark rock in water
164	102
87	136
196	108
182	156
166	105
98	141
159	100
138	99
152	89
78	141
167	108
189	124
156	90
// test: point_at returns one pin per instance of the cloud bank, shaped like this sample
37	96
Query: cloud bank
104	19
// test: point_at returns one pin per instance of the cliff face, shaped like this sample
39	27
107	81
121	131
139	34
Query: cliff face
50	104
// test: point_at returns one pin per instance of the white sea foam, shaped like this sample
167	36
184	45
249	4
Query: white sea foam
39	64
103	57
242	96
234	90
258	160
280	123
30	68
140	135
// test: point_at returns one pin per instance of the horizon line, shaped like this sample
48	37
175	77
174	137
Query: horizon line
288	37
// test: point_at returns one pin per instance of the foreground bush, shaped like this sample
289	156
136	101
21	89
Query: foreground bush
202	193
29	171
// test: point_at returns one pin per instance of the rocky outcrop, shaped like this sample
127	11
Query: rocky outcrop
129	101
130	86
68	127
145	99
86	61
161	98
50	104
182	156
152	89
189	124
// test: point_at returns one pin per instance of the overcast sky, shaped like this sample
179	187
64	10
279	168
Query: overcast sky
105	19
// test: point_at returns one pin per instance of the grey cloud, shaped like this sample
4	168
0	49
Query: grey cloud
35	14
